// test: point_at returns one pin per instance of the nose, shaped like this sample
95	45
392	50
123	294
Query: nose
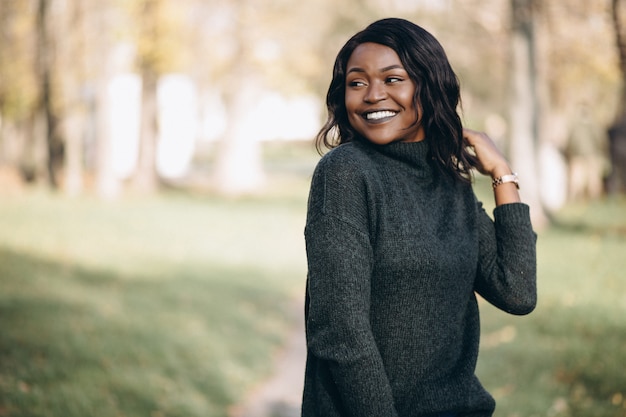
375	92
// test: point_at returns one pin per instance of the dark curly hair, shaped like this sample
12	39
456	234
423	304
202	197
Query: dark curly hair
437	93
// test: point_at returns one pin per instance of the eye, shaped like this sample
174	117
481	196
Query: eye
393	80
355	83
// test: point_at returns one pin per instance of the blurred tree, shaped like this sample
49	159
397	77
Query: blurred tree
101	17
524	104
243	48
72	54
156	29
149	60
617	131
620	43
578	62
251	47
18	92
238	166
45	106
578	37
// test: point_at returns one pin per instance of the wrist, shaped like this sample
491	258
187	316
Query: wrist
501	171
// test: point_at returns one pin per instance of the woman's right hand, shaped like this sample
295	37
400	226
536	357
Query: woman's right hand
490	161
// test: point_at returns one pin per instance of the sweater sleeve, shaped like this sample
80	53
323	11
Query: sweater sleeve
340	262
507	261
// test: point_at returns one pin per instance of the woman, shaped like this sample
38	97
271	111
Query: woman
397	244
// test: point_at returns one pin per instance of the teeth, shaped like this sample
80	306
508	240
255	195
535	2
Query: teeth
379	115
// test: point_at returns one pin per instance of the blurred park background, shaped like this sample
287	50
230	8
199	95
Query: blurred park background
155	157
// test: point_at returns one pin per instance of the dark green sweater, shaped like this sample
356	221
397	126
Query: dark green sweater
395	253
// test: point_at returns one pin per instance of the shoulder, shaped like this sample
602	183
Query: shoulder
350	154
341	180
346	166
348	162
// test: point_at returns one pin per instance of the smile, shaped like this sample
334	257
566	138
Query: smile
379	115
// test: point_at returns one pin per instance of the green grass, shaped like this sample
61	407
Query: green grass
173	305
169	306
568	357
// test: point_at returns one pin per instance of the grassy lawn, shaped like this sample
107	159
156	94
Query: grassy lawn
172	306
568	357
169	306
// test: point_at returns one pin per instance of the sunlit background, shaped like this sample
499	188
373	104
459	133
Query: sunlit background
155	157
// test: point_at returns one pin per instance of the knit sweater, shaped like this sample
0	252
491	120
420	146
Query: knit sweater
396	251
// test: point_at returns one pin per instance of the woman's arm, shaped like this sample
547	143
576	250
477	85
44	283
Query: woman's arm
340	262
507	261
507	265
337	319
492	163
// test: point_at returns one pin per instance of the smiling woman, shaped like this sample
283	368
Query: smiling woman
397	242
422	64
379	96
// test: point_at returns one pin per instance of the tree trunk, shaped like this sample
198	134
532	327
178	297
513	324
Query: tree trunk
73	130
146	178
551	125
620	43
71	56
107	184
523	108
239	167
239	161
617	132
44	73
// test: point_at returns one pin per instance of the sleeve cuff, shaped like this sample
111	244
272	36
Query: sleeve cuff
512	213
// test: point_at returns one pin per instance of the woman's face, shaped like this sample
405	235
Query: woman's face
379	96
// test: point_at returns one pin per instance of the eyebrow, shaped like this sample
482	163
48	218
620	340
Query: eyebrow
385	69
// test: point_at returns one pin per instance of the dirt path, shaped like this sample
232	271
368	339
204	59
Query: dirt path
281	394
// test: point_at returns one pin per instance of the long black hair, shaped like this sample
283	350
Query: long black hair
437	93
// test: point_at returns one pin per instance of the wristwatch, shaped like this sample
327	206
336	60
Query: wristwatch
504	179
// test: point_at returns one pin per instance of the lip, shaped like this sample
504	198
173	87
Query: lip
393	113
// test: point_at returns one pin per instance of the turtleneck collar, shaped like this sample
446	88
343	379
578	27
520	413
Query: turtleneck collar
416	154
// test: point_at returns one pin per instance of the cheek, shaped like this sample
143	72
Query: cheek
351	108
408	95
415	108
407	99
350	102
